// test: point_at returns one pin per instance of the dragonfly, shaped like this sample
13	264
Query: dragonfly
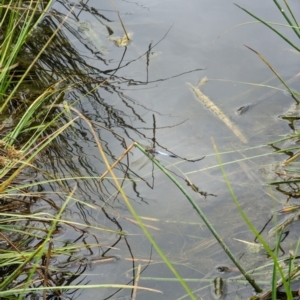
151	151
143	161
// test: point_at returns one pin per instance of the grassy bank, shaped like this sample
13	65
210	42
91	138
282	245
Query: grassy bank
36	112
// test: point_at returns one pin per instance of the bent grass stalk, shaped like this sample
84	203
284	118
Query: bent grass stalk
251	226
293	94
205	220
143	227
132	210
269	26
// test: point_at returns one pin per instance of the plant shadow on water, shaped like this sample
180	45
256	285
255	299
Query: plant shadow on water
98	249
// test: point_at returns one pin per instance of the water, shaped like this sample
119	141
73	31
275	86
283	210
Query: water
168	38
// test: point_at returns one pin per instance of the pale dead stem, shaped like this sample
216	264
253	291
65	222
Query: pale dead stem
216	110
137	278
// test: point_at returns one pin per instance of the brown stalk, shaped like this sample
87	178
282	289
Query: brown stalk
276	74
137	278
116	162
46	268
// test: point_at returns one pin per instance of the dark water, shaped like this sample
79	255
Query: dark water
130	91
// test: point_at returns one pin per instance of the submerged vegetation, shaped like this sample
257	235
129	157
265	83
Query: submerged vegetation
52	232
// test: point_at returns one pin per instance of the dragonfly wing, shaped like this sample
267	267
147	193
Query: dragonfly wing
139	161
143	161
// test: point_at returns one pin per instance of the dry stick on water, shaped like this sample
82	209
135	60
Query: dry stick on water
291	159
133	297
216	110
269	26
272	254
116	162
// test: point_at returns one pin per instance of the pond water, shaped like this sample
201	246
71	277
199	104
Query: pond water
139	92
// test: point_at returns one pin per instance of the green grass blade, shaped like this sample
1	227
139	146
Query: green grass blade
143	227
249	224
296	30
203	217
273	29
292	14
274	275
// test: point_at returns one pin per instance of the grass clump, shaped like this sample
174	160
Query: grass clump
24	135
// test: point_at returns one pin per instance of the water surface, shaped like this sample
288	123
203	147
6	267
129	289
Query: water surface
170	38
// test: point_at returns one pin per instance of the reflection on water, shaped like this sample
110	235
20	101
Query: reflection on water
120	89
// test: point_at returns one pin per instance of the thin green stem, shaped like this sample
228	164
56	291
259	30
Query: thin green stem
249	224
273	29
205	220
291	12
138	219
296	30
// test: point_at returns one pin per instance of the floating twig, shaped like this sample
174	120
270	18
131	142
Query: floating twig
137	278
